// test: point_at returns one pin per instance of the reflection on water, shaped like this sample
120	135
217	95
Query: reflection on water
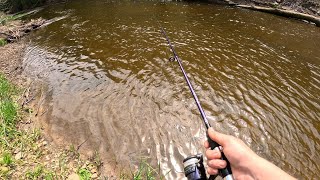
112	86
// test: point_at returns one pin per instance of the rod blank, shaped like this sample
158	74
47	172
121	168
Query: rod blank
203	115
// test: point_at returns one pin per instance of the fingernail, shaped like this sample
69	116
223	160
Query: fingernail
216	149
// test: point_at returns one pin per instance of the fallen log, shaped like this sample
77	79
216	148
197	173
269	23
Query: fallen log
14	32
283	12
17	29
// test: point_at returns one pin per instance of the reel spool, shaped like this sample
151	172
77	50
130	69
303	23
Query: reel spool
194	168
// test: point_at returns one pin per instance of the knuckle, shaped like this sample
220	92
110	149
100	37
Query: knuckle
212	171
217	164
222	164
210	154
210	163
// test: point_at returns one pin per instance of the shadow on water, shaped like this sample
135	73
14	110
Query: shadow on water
111	85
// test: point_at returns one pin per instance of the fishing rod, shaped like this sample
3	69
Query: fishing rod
193	165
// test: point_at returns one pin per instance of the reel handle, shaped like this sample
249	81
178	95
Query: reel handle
225	173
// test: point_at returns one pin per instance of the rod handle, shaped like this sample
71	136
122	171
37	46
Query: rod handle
226	172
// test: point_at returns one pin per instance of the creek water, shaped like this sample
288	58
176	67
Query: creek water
111	86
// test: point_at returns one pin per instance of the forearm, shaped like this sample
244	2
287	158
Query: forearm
263	169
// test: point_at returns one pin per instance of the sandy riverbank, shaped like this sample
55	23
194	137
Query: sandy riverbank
29	154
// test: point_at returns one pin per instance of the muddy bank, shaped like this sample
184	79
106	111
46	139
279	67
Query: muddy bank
29	154
11	60
12	30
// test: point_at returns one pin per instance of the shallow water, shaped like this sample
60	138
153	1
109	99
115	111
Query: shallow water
112	88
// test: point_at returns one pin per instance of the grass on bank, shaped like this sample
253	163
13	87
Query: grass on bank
12	139
145	171
3	42
8	111
24	153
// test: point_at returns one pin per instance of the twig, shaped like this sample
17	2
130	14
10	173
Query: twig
40	103
78	147
28	100
44	112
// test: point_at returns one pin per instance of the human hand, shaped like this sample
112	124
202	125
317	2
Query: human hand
245	164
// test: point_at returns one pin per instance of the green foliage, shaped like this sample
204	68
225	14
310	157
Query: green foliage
146	171
6	18
2	42
7	159
8	108
97	160
274	5
73	151
39	172
19	5
34	135
8	112
6	89
36	173
49	176
84	174
26	142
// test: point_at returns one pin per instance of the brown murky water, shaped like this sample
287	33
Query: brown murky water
110	81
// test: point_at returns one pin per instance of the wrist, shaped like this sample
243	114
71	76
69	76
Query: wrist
254	166
262	169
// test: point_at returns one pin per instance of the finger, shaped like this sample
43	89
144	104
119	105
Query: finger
213	154
217	163
206	144
212	171
217	137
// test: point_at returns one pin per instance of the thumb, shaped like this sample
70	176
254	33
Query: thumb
217	137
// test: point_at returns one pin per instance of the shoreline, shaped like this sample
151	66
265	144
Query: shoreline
25	151
30	154
77	164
